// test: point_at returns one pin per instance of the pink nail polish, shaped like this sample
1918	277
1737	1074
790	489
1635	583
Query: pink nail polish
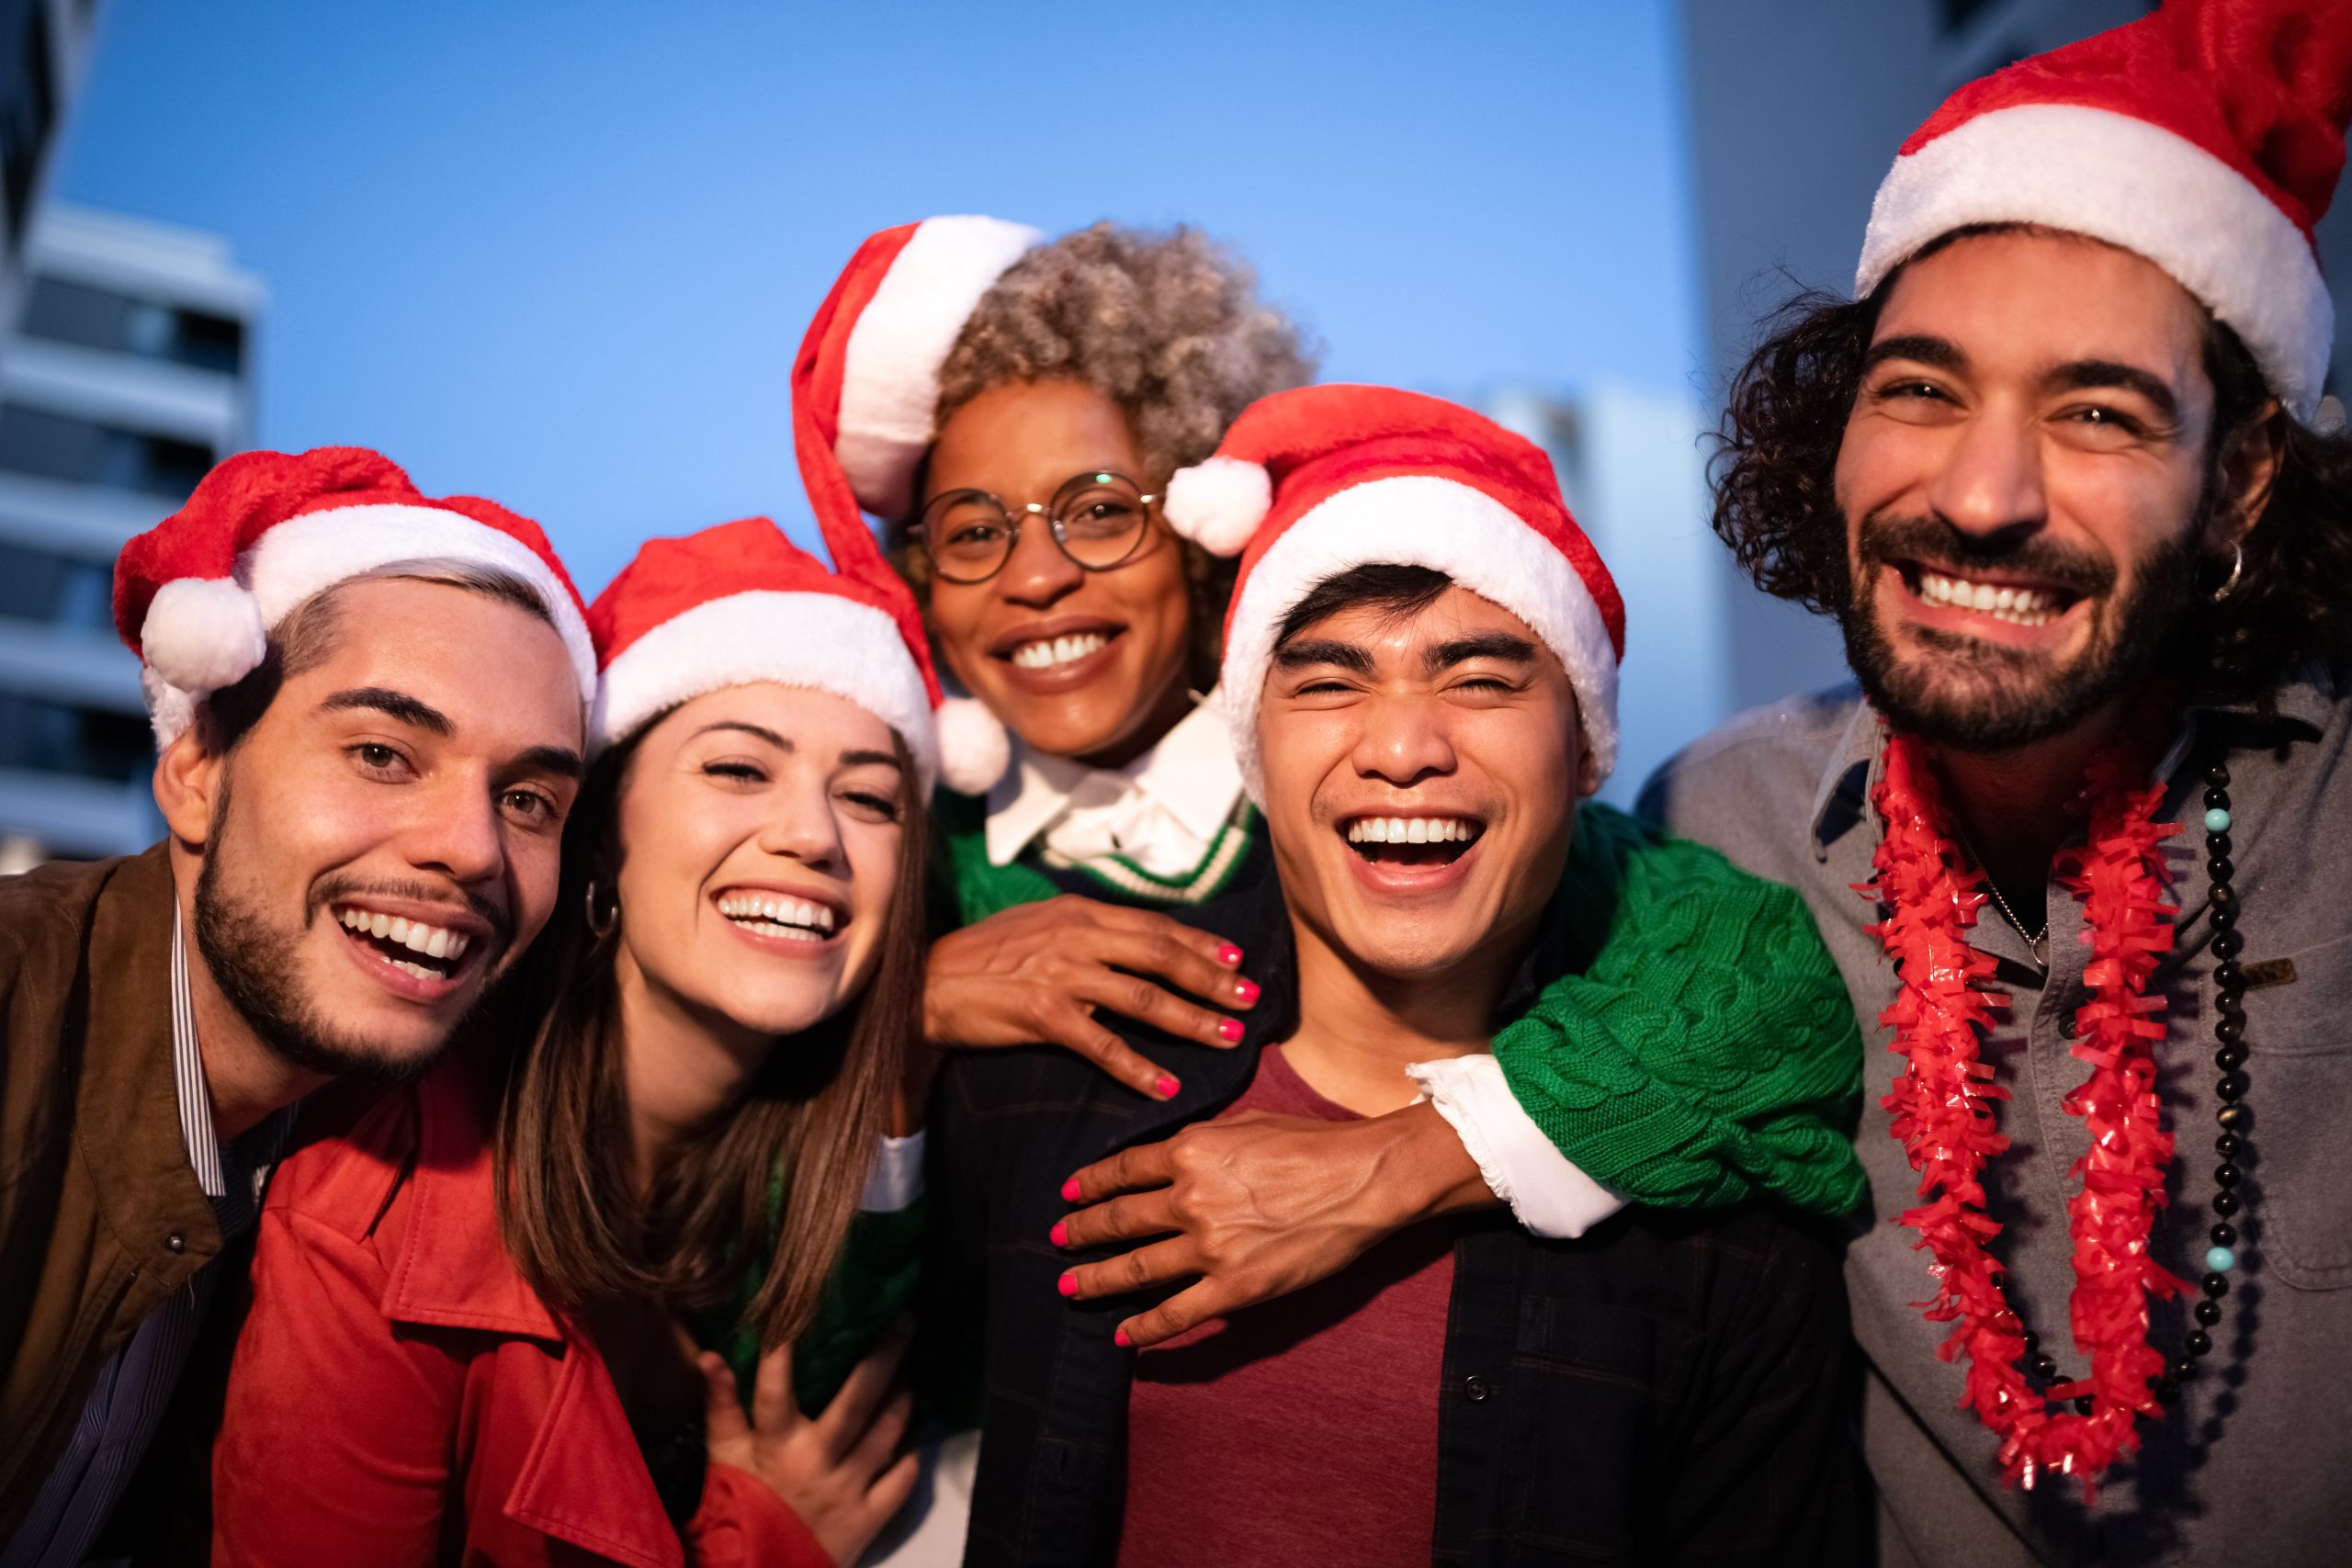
1068	1285
1120	1339
1230	1028
1059	1235
1245	991
1070	1191
1165	1086
1229	955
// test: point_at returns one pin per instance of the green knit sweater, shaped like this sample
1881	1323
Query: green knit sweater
1705	1053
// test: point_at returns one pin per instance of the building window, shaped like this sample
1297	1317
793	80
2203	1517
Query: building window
43	737
65	311
36	585
61	446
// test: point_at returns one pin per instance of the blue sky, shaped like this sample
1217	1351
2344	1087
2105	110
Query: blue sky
560	254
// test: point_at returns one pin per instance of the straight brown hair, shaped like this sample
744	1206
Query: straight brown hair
809	1122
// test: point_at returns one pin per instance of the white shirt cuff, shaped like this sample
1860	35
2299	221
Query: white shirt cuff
1544	1188
895	1179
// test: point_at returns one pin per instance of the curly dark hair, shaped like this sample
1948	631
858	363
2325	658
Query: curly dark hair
1167	325
1775	464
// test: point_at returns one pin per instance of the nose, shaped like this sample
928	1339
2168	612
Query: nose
1038	574
457	832
1403	740
804	828
1990	483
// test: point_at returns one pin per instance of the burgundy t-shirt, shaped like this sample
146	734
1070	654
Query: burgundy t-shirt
1304	1431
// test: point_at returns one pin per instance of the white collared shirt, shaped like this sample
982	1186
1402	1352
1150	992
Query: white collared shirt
1164	811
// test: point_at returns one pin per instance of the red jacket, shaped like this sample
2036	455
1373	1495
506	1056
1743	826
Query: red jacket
400	1395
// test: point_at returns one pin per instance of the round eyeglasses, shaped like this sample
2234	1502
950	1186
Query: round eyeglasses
1098	520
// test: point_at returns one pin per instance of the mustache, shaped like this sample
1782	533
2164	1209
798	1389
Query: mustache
1885	541
354	889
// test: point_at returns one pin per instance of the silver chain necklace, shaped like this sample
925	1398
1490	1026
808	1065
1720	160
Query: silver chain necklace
2036	942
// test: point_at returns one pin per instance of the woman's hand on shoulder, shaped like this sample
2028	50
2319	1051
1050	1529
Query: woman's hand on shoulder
842	1471
1042	973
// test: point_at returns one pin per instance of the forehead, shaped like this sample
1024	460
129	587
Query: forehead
2028	298
479	660
820	722
1024	438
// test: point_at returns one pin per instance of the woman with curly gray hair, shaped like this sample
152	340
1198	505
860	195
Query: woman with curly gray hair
1013	407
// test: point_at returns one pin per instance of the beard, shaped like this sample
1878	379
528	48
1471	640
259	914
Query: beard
252	959
1972	695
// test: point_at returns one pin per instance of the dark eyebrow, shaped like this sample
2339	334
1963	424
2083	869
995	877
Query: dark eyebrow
559	760
1485	644
869	759
2082	374
761	730
1942	353
1301	653
398	707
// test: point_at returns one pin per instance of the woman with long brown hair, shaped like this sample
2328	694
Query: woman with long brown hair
520	1315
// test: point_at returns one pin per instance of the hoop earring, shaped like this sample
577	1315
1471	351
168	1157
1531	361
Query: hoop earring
603	927
2237	569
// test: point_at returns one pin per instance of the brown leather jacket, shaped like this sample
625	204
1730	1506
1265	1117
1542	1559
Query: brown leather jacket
100	1215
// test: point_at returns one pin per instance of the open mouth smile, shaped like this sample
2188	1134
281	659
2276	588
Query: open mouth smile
432	955
1052	655
1984	602
1418	841
800	919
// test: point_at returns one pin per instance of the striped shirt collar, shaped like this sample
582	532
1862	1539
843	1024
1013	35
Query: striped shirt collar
250	1156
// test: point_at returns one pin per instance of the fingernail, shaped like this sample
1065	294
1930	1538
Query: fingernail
1230	1028
1120	1339
1245	991
1165	1084
1060	1234
1229	955
1068	1285
1070	1191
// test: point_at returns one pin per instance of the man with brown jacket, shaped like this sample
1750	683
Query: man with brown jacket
371	713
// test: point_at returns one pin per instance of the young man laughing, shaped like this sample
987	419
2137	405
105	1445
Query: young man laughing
1419	672
371	709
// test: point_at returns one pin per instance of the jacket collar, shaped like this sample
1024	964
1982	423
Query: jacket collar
583	1480
133	1144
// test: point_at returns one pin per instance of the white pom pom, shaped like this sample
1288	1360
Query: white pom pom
1218	503
974	749
203	633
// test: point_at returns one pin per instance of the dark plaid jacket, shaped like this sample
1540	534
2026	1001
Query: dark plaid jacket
1671	1389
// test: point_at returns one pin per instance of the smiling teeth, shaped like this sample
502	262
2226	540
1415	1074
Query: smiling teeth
2022	606
1411	830
772	916
433	941
1057	650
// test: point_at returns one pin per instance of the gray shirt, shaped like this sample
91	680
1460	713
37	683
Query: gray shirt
2254	1464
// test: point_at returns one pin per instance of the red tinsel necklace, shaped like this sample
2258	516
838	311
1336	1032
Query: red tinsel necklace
1941	1107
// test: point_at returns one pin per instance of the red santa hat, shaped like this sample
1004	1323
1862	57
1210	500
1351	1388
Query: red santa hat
865	396
1312	482
197	595
739	604
2206	136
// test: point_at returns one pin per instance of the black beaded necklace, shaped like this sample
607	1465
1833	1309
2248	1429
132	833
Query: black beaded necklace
2233	1118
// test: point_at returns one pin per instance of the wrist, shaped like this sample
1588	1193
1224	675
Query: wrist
1425	1170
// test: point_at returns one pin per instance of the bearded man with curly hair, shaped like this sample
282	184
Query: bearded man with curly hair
2058	472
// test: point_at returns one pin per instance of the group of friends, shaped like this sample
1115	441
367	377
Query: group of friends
1101	1024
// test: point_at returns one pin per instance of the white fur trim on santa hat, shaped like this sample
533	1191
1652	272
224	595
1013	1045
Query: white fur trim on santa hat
974	749
890	368
821	642
304	556
202	633
1217	504
1421	520
2135	185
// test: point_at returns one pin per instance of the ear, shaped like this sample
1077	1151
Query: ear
1587	769
187	783
2243	472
